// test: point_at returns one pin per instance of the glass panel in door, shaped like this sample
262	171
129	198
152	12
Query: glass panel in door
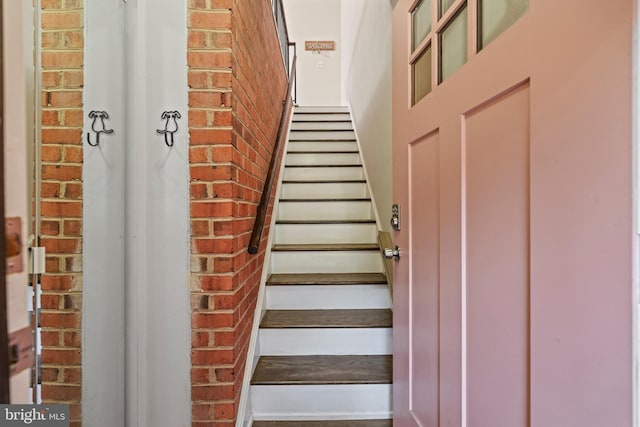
453	45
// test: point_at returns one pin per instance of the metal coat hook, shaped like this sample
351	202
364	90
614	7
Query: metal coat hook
170	126
98	126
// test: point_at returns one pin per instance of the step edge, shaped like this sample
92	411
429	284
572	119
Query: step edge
373	280
359	200
321	382
386	313
328	222
323	327
322	140
350	165
319	151
316	129
325	181
371	247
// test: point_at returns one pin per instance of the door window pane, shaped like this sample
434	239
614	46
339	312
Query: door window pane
421	72
421	18
498	15
453	45
445	5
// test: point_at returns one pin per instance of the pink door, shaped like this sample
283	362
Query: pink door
513	167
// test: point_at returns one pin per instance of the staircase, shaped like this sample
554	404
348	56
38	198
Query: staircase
325	338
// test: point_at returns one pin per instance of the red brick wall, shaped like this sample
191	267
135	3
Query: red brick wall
237	83
61	207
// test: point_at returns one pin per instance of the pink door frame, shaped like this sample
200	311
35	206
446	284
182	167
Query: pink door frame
4	326
574	62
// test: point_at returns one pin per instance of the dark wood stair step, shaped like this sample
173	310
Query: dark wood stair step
323	140
360	199
321	130
327	279
324	166
327	111
323	152
326	247
299	319
325	181
316	370
326	221
331	423
324	120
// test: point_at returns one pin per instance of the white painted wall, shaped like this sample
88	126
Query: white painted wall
17	67
319	73
366	38
103	315
157	226
136	315
351	15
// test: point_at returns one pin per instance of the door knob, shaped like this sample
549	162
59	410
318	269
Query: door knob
392	253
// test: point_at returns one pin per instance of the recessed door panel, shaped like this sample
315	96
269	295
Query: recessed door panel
424	279
496	169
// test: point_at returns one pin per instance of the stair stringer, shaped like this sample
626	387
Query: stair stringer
244	417
383	236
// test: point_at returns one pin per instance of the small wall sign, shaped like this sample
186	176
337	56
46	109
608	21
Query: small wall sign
319	45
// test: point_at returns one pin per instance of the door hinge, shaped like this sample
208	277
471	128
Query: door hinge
37	264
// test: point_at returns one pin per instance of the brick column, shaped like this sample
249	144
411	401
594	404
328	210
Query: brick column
61	191
237	84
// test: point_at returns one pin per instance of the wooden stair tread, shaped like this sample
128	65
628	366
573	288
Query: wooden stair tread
325	181
359	318
316	370
327	247
326	221
354	165
321	130
323	140
323	152
316	129
328	423
324	120
327	279
361	199
319	112
329	119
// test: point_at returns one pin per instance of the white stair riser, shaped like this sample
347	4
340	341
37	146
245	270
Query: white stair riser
321	146
315	135
325	233
321	109
296	159
326	262
325	210
338	190
327	297
305	341
322	116
335	174
344	401
322	125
